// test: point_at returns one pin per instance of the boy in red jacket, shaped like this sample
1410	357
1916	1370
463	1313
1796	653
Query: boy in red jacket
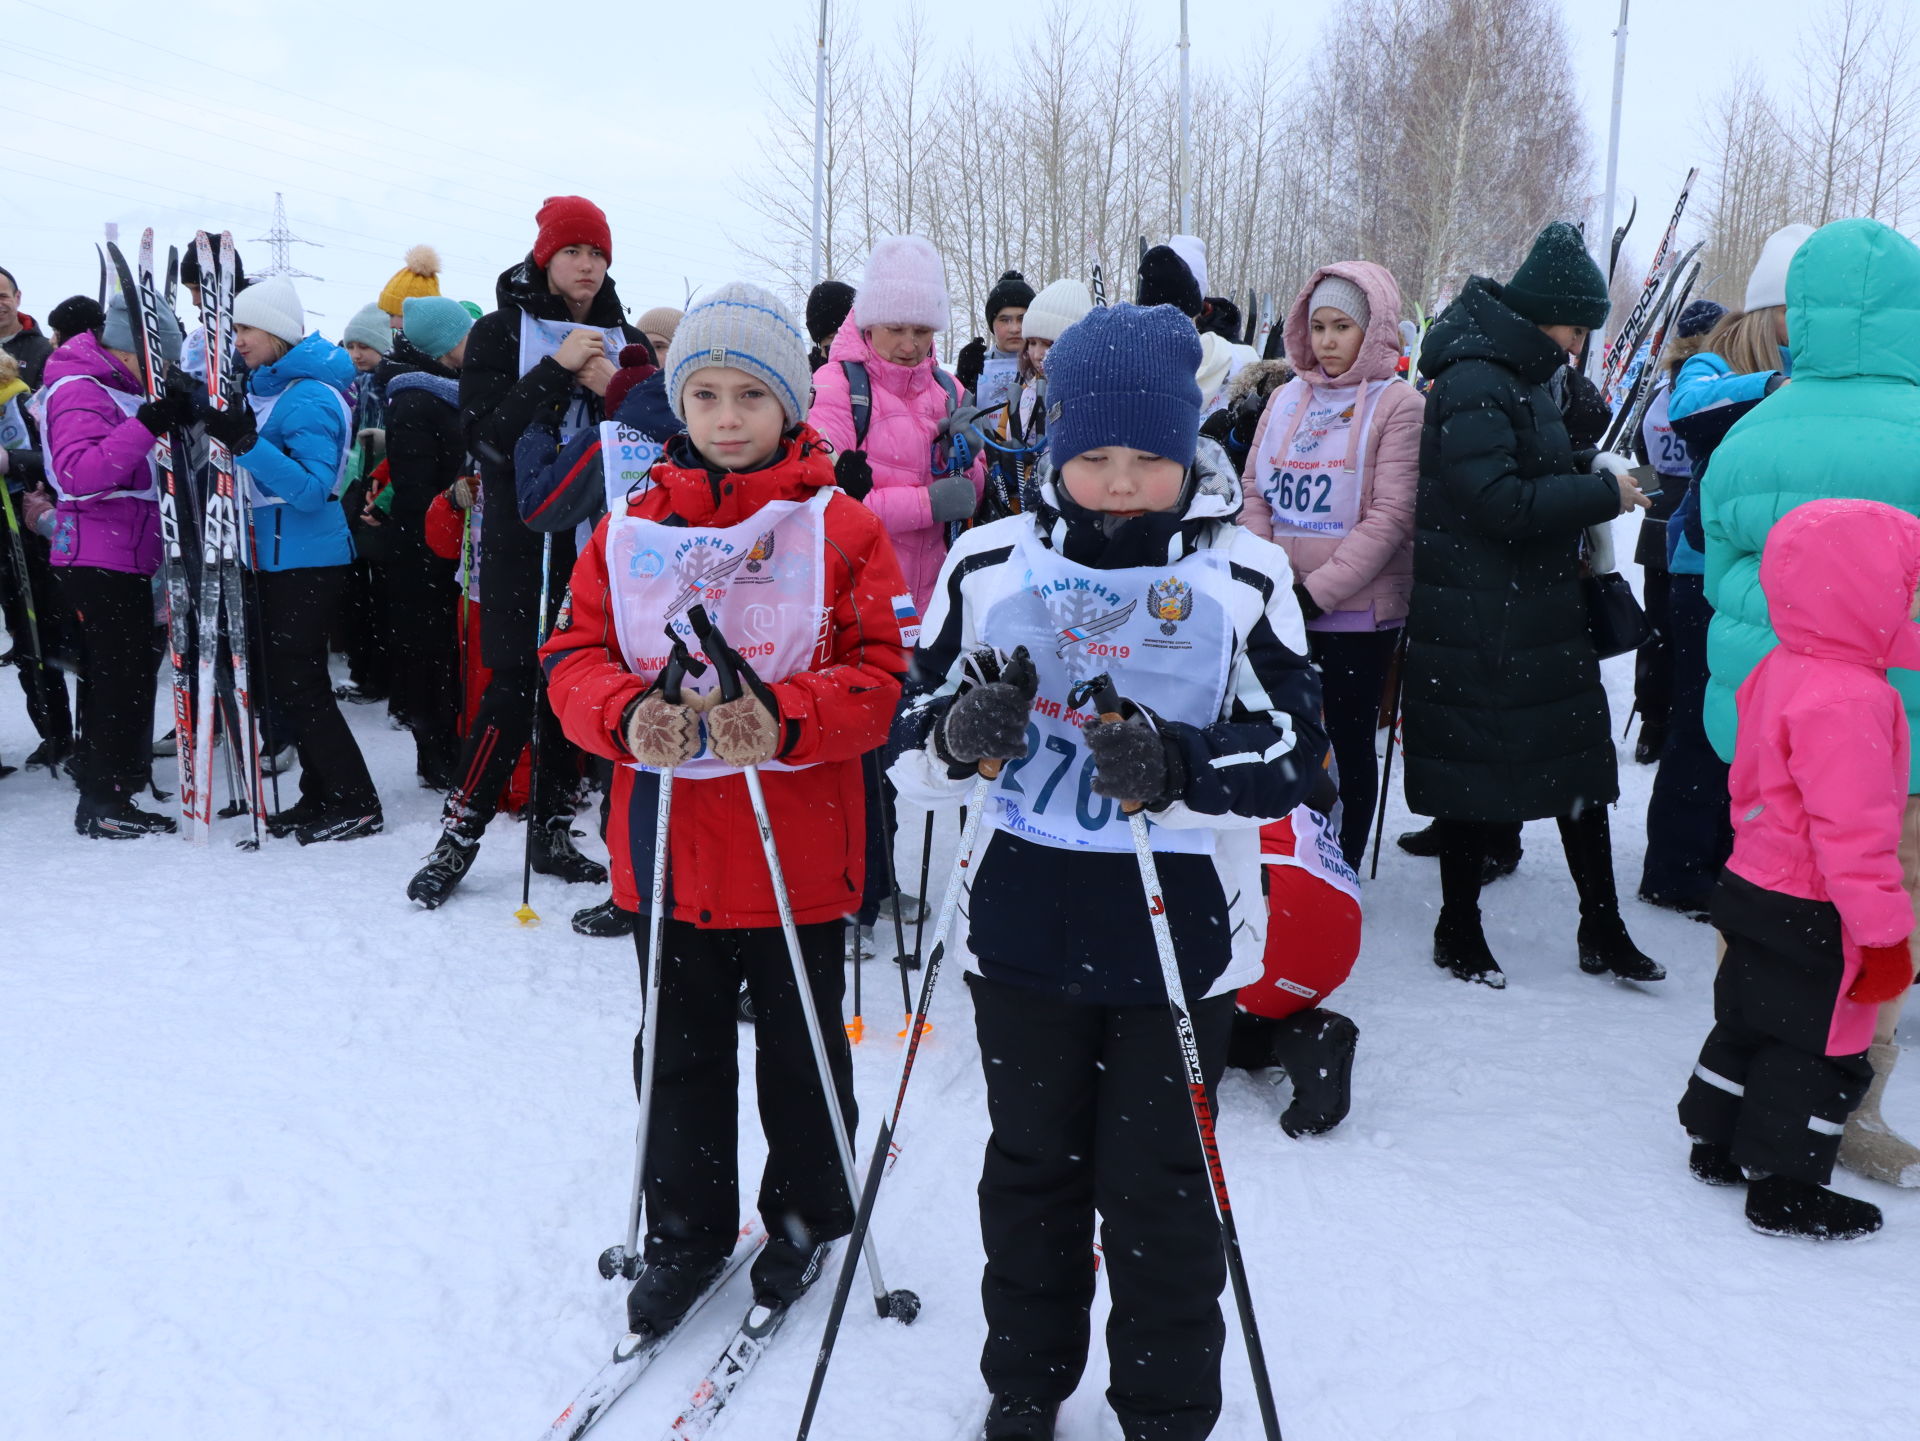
742	517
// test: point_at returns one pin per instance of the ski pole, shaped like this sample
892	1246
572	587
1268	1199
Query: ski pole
856	1029
964	861
1101	690
1393	730
733	674
526	915
893	885
625	1260
920	921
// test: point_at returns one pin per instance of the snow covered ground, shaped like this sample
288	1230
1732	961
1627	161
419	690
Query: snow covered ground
281	1156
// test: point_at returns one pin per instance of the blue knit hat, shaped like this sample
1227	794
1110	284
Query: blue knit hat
742	327
1124	375
434	324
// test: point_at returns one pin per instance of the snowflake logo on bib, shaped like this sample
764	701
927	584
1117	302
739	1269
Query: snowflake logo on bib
1170	602
703	571
762	551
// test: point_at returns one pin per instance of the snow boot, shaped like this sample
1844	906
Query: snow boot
341	826
1606	947
1782	1206
1460	948
912	909
666	1290
1315	1049
303	812
278	763
605	921
1427	841
554	854
1019	1418
356	694
119	820
1653	738
1423	842
1713	1164
1695	909
452	858
1870	1147
49	755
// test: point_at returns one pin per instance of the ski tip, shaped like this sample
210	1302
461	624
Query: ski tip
527	916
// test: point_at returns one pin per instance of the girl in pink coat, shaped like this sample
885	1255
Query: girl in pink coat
1331	478
1811	905
897	466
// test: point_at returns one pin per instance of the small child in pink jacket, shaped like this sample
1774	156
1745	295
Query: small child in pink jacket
1811	905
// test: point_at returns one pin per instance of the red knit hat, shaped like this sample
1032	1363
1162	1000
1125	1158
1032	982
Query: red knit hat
570	220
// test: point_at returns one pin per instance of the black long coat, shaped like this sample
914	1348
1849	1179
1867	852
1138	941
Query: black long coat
497	404
1506	719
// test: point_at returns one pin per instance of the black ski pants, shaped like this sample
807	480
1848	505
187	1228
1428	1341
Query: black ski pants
120	659
693	1177
1764	1084
1689	828
502	729
423	647
1353	674
1090	1113
296	609
45	688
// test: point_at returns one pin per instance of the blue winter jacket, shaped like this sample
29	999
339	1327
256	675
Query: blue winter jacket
561	487
297	458
1708	397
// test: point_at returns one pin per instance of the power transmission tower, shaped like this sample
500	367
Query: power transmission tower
280	242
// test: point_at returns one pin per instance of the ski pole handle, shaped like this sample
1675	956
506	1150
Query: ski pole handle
681	663
1107	705
1018	673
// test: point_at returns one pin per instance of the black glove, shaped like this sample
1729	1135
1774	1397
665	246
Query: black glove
1217	426
987	722
169	412
970	362
852	473
233	427
1134	762
1309	608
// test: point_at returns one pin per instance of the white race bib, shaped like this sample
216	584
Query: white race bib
263	407
13	428
1667	451
129	404
628	457
1312	461
541	338
1165	635
763	582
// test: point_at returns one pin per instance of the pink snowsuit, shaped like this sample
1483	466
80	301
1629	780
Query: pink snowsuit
909	406
1819	778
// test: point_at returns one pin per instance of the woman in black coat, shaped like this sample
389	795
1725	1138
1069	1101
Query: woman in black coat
1506	718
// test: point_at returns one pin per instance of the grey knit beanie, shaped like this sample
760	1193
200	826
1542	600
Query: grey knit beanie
742	327
1342	295
370	327
117	331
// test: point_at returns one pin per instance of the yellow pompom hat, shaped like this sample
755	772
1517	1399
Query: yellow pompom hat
420	276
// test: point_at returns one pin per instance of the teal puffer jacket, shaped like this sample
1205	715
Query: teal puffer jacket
1848	426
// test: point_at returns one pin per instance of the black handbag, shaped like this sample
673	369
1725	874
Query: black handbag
1615	622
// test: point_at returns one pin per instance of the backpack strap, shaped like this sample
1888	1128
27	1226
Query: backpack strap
951	386
860	397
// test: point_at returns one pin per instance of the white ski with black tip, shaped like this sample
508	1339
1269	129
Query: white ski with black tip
633	1354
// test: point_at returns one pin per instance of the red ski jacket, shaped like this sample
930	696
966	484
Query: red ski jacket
831	713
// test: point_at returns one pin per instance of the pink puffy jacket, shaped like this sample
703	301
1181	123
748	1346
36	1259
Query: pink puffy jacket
1819	779
909	405
1371	567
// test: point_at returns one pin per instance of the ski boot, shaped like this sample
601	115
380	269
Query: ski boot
1315	1048
786	1268
1605	946
49	755
341	826
1019	1418
1782	1206
605	921
666	1291
119	820
554	854
452	858
303	812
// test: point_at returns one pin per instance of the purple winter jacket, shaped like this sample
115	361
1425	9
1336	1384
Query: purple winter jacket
93	449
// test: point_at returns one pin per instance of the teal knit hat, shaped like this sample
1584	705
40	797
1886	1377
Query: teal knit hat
1558	283
370	327
434	324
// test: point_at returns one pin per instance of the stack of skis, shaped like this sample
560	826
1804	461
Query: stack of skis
1629	367
200	628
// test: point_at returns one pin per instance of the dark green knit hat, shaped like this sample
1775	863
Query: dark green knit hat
1558	283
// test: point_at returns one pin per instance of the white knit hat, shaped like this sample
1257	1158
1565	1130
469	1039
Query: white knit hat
905	284
1193	250
1054	309
1768	283
272	305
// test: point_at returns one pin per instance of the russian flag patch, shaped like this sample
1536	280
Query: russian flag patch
907	616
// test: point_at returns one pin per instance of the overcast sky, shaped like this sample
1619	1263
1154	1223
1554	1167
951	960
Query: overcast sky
448	121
